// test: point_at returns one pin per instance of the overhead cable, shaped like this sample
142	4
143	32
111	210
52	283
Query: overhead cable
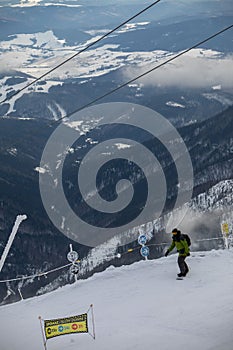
145	73
79	52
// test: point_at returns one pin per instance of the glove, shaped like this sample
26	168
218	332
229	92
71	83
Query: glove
167	252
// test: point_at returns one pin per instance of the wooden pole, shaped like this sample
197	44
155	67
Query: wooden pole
42	332
93	321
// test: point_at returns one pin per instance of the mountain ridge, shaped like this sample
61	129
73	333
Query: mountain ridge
20	192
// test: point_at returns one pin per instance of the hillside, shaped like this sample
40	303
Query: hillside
40	246
136	307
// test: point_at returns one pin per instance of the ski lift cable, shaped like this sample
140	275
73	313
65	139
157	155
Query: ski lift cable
79	52
145	73
41	274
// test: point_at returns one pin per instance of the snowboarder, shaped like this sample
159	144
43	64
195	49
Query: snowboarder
179	241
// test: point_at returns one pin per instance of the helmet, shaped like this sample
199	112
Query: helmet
175	231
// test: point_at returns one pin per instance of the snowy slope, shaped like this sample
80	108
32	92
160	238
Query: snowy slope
213	206
136	307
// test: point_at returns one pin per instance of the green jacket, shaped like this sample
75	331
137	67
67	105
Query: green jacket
181	246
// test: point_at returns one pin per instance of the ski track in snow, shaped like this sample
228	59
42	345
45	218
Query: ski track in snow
136	307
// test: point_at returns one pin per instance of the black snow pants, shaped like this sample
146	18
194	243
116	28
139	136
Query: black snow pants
182	265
